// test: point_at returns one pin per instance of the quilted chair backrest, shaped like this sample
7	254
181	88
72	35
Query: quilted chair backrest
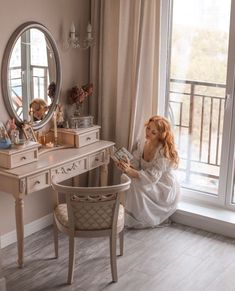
92	211
93	208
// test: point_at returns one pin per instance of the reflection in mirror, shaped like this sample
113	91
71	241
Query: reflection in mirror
32	73
32	68
38	109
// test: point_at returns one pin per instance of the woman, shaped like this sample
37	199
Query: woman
38	107
154	191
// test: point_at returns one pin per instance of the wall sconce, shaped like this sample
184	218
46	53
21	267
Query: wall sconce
74	41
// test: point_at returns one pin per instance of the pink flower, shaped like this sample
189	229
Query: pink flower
79	94
88	88
51	90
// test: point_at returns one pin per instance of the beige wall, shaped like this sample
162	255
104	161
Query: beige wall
57	16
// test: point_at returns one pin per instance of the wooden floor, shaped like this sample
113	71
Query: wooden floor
170	258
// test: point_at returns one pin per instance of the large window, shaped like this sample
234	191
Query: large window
199	95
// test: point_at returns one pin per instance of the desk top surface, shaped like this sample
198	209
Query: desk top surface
56	157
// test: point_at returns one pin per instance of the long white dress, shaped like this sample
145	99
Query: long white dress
151	198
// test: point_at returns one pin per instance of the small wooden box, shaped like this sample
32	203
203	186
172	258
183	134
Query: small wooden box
14	157
78	137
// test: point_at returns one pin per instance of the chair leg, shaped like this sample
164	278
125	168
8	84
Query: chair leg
121	241
71	258
56	246
113	258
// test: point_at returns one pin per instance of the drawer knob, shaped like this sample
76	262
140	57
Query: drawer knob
23	158
37	182
97	159
88	138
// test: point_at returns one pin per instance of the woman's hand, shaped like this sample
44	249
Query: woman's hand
122	164
125	167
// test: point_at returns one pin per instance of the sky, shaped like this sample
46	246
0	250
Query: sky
213	14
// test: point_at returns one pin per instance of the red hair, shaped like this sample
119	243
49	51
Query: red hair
166	138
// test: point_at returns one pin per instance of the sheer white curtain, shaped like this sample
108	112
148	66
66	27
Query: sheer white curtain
124	67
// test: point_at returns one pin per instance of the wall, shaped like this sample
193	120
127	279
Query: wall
57	16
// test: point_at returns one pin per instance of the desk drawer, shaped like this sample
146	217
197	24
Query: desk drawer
24	158
86	138
38	182
97	160
78	137
70	170
16	157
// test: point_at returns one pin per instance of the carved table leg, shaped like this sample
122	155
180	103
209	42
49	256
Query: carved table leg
19	215
104	175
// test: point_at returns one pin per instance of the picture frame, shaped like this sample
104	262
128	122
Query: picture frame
29	132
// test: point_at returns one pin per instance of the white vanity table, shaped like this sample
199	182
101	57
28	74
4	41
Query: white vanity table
26	171
65	163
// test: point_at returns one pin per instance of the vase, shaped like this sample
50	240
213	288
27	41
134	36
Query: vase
79	110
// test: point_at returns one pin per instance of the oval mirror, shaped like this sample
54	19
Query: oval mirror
31	74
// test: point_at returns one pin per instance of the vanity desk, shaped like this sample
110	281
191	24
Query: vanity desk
65	163
29	170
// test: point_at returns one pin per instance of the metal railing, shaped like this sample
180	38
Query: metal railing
198	109
38	84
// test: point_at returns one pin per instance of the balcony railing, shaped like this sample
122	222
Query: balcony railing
198	113
38	86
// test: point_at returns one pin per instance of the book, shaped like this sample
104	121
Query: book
121	154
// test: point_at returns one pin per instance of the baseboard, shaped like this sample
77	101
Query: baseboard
2	284
223	224
29	229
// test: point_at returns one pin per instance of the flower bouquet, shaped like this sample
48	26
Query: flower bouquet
78	96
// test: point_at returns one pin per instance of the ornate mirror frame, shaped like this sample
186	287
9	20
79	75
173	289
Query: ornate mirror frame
5	72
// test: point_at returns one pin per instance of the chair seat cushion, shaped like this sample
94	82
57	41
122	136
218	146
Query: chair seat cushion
61	214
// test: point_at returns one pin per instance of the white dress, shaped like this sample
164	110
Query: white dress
152	197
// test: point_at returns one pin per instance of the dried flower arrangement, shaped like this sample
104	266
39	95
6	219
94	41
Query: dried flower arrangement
51	90
79	94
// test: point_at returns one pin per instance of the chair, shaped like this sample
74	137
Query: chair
90	212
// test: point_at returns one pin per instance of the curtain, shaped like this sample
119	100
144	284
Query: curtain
124	67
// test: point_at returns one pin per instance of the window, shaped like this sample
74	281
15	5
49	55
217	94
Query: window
199	77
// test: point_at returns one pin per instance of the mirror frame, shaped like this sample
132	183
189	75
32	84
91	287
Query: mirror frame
5	64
